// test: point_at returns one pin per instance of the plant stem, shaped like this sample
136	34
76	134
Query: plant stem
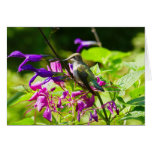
93	30
104	111
35	117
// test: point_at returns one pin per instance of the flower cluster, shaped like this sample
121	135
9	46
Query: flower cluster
79	101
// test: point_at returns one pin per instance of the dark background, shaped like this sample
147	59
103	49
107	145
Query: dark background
29	40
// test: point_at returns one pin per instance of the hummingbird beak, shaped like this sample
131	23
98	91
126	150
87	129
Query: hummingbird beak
53	60
67	59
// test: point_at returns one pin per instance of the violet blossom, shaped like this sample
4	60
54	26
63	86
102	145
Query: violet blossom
64	95
42	100
28	57
93	116
83	44
42	73
111	106
47	114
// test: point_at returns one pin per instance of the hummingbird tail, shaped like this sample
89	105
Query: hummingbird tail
96	85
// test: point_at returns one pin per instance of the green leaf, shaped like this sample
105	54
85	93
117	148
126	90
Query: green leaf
137	92
95	69
21	88
26	121
133	65
24	97
14	98
128	80
96	54
120	100
118	55
138	115
140	59
138	101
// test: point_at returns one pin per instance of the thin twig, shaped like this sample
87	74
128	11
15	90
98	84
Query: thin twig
93	30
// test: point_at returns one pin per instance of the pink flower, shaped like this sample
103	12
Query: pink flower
47	114
101	83
56	66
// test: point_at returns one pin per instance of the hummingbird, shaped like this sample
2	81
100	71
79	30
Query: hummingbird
82	72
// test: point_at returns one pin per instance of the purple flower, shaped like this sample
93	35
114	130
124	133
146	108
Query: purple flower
52	89
78	116
34	97
80	106
101	83
47	114
64	95
83	44
28	57
59	105
56	66
89	101
93	116
41	102
90	118
76	93
42	73
111	106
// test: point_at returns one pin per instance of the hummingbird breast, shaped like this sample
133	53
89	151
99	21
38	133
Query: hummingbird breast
75	72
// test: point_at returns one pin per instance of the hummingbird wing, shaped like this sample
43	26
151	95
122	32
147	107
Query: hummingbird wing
83	76
86	75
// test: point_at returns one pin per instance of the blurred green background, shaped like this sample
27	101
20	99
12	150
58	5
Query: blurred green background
30	41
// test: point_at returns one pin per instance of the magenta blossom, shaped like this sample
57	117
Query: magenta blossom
42	100
56	66
83	44
111	106
89	101
84	103
101	83
93	116
77	93
64	95
47	114
28	57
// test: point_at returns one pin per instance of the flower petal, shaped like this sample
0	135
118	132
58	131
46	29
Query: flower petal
80	106
17	54
41	102
34	97
90	101
64	95
33	57
56	66
90	118
78	116
28	67
77	41
47	114
76	93
59	105
95	116
101	83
